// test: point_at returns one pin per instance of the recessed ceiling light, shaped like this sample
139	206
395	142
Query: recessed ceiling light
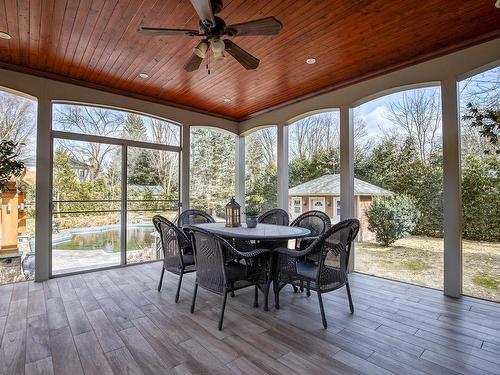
311	60
5	35
143	75
497	4
226	100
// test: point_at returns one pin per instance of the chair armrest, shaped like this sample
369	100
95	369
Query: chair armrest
248	254
292	253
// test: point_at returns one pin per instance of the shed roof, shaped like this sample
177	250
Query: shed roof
329	184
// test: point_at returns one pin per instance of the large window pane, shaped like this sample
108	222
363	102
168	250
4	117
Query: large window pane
86	206
398	187
107	122
261	182
480	96
212	170
152	189
17	198
314	165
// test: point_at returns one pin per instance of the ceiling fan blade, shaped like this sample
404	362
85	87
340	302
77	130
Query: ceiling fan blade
162	31
244	58
264	26
193	63
204	10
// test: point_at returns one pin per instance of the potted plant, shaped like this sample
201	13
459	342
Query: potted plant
252	214
9	165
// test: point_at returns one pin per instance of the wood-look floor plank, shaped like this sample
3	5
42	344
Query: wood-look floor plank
36	303
56	315
145	356
65	358
51	289
37	339
122	362
204	357
166	349
77	318
12	352
16	320
107	336
40	367
243	366
5	296
93	360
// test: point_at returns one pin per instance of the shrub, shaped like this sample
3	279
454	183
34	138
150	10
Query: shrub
392	218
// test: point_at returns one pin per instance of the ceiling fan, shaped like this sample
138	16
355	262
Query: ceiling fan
213	28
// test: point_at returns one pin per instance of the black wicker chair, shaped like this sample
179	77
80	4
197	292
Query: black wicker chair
316	221
294	267
178	256
218	275
275	216
189	217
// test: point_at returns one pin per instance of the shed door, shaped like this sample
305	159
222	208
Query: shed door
317	203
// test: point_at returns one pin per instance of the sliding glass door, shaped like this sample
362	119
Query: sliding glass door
86	206
112	171
152	189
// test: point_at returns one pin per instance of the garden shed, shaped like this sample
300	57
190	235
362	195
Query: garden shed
323	194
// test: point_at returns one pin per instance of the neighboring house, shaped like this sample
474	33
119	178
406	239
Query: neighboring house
323	194
82	170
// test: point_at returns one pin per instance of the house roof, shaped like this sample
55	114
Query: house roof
329	184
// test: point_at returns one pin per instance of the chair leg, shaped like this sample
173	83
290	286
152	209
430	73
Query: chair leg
222	311
322	309
256	297
266	294
179	287
295	289
194	296
351	306
308	288
161	278
232	294
276	295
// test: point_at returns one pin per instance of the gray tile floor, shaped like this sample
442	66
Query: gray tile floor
115	321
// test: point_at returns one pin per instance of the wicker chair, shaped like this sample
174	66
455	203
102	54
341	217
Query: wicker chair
178	256
318	223
218	275
275	216
189	217
294	267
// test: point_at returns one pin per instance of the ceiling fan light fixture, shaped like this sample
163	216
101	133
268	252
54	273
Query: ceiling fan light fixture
5	35
217	45
201	49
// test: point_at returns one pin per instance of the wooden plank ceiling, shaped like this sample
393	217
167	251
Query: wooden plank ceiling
96	43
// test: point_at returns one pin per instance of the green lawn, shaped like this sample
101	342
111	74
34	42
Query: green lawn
419	260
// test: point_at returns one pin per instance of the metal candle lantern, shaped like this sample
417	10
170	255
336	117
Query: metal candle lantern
233	214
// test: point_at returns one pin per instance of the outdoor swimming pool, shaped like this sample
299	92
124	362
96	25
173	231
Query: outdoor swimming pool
106	238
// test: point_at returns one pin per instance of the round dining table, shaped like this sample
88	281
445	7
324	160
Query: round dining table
263	232
267	233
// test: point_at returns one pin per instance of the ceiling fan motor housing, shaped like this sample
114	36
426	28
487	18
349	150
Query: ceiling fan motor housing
217	30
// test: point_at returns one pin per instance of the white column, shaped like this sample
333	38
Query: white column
347	168
43	229
240	172
282	164
185	166
452	213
